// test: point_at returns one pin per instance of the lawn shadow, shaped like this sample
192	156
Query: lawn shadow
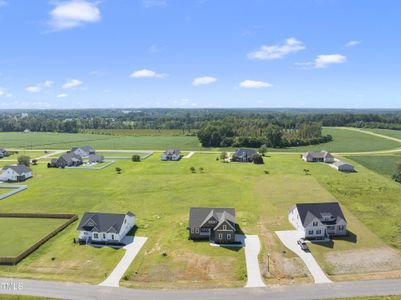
326	244
350	237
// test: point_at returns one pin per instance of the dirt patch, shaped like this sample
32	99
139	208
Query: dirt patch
363	261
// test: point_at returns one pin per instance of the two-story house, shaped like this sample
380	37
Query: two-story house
171	154
84	151
214	224
105	228
244	155
318	221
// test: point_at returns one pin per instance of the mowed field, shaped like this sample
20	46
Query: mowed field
344	141
385	165
161	193
23	233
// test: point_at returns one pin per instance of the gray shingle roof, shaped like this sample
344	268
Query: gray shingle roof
199	215
71	157
341	163
102	222
85	148
245	152
309	211
321	154
19	169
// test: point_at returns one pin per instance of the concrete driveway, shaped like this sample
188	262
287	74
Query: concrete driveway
131	250
289	239
252	249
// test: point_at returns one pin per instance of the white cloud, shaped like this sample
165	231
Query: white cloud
73	83
252	84
323	61
152	3
203	80
352	43
2	91
73	13
3	3
40	86
277	51
63	95
146	73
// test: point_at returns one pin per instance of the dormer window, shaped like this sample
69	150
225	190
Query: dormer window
224	227
315	224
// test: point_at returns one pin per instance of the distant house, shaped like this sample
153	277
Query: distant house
3	152
214	224
343	167
105	228
317	221
322	156
15	173
66	160
244	155
171	154
95	158
83	151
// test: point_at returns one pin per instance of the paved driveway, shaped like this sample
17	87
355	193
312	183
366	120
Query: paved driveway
131	250
289	239
252	249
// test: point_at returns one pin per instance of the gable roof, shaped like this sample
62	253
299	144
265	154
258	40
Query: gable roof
341	163
19	169
102	222
309	211
84	148
71	157
172	151
245	152
321	154
198	216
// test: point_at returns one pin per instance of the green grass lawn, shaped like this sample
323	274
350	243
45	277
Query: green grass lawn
384	165
388	132
344	141
161	193
23	233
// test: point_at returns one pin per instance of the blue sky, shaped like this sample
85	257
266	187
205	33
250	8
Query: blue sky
200	53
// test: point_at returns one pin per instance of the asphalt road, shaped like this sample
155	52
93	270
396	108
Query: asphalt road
290	292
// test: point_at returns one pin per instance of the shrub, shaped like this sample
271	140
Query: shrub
257	159
118	170
136	158
192	169
223	155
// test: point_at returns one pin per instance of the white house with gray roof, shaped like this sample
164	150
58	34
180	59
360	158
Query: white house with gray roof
317	221
105	228
322	156
171	154
343	167
214	224
84	151
15	173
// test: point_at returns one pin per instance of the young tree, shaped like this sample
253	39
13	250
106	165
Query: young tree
118	170
192	169
223	155
201	170
34	162
136	158
24	160
263	150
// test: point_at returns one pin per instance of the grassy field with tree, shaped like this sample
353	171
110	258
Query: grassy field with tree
385	165
161	193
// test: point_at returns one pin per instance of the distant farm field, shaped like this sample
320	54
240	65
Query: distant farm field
384	165
21	233
388	132
41	140
343	141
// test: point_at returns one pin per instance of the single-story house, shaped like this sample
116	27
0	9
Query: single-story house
317	221
214	224
243	155
95	158
171	154
322	156
15	173
105	228
84	151
66	160
343	167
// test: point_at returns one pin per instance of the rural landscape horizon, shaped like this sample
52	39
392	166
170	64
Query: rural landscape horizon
202	149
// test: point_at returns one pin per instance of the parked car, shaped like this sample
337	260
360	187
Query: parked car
303	245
